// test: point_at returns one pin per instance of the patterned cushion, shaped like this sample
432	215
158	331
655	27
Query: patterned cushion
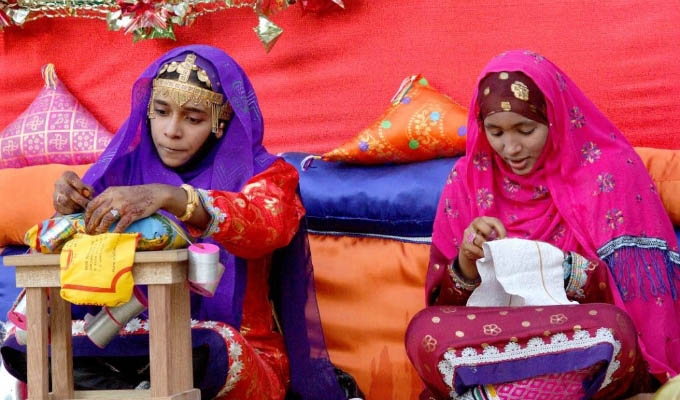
55	128
421	124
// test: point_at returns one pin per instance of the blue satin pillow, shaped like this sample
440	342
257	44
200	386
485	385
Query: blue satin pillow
398	200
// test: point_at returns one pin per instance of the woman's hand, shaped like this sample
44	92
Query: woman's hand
480	230
125	204
71	194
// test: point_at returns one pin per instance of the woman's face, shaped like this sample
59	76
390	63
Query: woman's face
178	132
516	138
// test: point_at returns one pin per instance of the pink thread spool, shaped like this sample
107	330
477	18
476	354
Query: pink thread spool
102	328
205	270
17	315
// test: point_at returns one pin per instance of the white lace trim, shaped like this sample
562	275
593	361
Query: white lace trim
536	346
633	241
675	257
233	348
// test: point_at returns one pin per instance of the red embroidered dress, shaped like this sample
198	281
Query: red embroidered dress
250	363
251	224
449	338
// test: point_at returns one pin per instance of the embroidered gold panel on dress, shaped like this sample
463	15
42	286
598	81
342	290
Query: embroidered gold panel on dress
182	92
520	90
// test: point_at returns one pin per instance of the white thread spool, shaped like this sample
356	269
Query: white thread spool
102	328
205	270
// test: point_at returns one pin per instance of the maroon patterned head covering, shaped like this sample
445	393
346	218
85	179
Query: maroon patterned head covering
511	91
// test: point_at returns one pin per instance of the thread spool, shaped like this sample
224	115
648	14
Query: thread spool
55	237
205	270
103	327
17	315
20	335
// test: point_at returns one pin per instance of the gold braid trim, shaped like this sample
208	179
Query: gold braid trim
183	93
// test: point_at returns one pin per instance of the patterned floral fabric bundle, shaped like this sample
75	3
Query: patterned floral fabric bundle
156	232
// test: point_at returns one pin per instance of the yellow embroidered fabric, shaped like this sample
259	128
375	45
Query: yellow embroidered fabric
97	269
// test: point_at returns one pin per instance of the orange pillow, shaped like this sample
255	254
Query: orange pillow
26	198
664	168
364	328
421	124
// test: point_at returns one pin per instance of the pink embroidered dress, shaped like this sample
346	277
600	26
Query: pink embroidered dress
588	194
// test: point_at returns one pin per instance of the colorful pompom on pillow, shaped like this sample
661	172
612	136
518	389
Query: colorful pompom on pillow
55	128
420	124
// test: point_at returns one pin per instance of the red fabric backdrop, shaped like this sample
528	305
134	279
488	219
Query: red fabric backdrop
331	74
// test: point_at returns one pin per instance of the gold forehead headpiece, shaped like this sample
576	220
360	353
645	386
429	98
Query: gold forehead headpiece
181	91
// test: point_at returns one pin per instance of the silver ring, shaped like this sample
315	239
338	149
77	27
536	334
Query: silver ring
115	213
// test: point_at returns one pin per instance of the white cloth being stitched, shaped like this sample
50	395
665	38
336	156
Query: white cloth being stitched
518	272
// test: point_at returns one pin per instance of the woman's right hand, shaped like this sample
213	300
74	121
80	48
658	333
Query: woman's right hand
71	194
480	230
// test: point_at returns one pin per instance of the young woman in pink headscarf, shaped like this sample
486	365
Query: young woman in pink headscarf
544	164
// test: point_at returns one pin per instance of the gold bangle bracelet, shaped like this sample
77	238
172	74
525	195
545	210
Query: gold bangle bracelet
192	202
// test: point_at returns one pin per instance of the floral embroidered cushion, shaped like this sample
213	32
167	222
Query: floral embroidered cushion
55	128
420	124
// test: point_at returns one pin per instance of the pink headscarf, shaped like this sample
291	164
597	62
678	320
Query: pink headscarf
589	192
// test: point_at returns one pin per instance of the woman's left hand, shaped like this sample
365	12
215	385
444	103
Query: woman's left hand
125	204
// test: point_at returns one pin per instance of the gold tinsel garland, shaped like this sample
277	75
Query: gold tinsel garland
146	19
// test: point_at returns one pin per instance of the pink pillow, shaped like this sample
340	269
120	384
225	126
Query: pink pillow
55	128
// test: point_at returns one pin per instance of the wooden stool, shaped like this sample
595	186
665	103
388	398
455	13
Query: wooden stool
164	272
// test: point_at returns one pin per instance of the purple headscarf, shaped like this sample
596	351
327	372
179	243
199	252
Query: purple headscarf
131	159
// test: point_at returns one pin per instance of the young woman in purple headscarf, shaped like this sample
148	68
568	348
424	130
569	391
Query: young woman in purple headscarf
192	149
544	164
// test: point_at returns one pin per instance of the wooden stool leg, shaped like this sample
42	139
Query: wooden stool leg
170	339
181	333
62	352
36	343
